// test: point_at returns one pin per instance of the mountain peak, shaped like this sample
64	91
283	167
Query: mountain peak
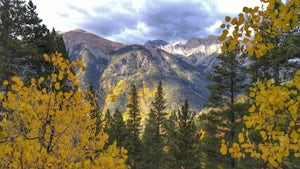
79	36
156	43
78	30
189	47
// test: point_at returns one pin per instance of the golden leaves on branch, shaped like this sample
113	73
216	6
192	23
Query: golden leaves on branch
247	29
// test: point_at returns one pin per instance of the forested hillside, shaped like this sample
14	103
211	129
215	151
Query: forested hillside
51	117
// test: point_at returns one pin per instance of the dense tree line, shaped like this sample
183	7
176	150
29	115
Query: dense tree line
168	141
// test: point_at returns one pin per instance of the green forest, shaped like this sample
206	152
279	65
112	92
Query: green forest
252	118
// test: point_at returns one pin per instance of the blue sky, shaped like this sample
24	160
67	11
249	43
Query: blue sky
136	21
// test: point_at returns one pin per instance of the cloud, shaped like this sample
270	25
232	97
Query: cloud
136	21
79	10
166	20
215	28
176	21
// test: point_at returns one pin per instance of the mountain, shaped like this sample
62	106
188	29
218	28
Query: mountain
113	67
156	43
145	66
200	52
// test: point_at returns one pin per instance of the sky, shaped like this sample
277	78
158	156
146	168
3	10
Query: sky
137	21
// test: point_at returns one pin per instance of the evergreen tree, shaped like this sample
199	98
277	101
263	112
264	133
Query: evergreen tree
228	79
33	30
186	140
134	144
170	148
24	40
276	63
11	22
228	82
117	129
107	121
153	135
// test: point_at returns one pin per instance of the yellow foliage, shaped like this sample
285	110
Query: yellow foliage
227	18
280	18
166	149
274	107
5	82
47	128
223	148
202	134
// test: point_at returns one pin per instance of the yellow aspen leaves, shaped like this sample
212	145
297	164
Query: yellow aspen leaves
281	18
223	148
51	127
113	98
275	114
235	151
263	135
227	18
5	82
241	137
46	58
234	21
41	79
223	36
222	26
57	85
166	149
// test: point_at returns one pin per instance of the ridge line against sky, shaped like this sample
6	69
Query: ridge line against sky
137	21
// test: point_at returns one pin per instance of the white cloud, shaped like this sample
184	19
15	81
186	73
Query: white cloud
234	6
213	28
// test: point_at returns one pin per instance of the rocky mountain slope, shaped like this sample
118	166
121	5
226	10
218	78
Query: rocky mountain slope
113	67
93	50
145	66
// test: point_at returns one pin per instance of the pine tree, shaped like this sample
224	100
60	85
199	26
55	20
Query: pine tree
153	135
186	139
11	19
33	30
170	147
119	127
107	119
134	145
24	40
276	63
116	129
228	82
